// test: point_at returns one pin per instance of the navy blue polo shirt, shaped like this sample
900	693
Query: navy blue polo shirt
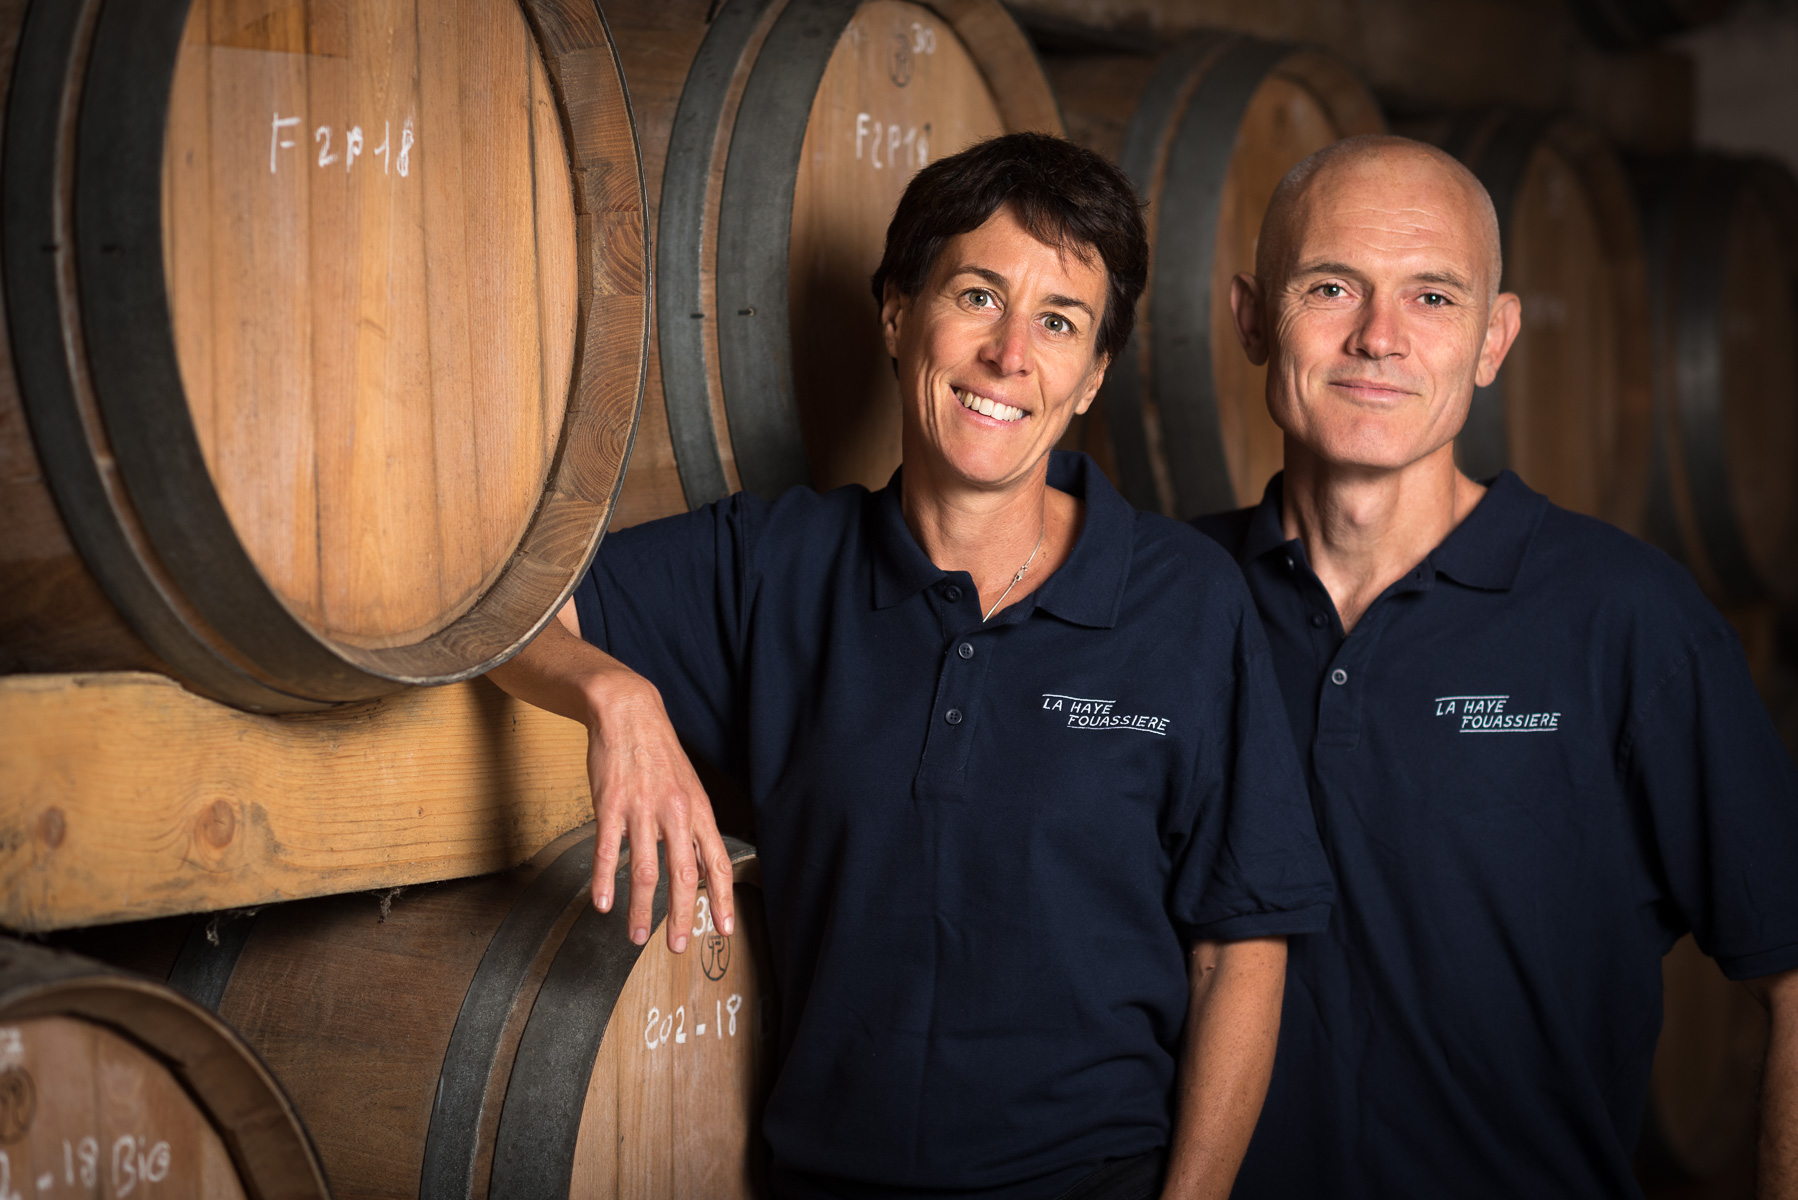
1536	762
984	847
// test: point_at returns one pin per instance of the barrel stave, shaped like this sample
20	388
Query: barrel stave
1723	247
329	430
769	355
450	1040
1572	408
109	1082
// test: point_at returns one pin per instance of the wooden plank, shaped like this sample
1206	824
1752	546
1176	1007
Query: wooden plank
124	796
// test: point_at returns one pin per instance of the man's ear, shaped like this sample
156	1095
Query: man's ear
892	319
1249	317
1502	324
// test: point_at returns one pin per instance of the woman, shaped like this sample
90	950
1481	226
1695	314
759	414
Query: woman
1012	747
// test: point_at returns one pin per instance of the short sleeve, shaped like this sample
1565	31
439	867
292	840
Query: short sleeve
1721	796
1247	862
667	598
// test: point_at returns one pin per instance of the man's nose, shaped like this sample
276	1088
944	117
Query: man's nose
1380	332
1007	348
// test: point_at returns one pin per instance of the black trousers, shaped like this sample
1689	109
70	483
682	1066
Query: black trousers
1138	1178
1135	1178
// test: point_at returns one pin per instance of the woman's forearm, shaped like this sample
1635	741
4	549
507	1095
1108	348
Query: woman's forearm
644	788
560	673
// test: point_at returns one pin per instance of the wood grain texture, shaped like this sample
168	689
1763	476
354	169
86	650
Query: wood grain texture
375	340
353	1007
656	42
1576	390
354	1002
681	1118
1723	250
52	609
114	1085
126	796
84	1111
384	424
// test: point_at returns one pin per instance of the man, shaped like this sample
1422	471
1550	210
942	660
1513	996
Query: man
1535	754
1025	800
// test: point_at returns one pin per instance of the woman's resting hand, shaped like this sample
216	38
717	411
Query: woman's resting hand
643	785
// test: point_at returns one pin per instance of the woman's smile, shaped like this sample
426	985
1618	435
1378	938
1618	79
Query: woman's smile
988	407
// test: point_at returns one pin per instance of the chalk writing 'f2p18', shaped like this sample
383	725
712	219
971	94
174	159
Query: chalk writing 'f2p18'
394	159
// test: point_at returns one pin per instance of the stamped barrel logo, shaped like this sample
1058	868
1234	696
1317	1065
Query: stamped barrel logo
18	1103
714	947
899	64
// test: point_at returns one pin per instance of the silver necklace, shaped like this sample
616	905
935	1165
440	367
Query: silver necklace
1015	578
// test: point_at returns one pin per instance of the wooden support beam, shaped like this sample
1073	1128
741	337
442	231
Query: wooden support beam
124	796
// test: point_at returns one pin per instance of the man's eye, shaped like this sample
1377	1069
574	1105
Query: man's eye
1331	291
1435	299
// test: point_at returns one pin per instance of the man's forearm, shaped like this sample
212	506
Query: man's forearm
1779	1089
1226	1060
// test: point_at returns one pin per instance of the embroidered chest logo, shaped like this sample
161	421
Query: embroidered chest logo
1487	714
1084	713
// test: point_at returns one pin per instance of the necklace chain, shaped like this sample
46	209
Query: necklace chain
1020	575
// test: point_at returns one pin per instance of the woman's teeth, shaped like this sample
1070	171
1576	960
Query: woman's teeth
988	408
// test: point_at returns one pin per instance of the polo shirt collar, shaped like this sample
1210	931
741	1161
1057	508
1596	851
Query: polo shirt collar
1265	533
1485	551
1088	589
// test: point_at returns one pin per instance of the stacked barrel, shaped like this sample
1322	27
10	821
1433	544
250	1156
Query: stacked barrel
332	351
784	133
329	360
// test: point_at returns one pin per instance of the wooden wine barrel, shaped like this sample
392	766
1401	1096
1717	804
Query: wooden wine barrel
777	139
1206	133
1571	409
328	323
500	1037
113	1085
1704	1102
1723	236
1622	24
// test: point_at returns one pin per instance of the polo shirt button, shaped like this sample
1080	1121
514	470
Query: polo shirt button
1289	563
966	650
1339	677
953	716
952	593
1319	620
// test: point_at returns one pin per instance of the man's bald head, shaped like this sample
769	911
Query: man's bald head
1375	304
1394	163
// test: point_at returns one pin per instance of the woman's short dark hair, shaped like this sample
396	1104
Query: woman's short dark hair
1063	195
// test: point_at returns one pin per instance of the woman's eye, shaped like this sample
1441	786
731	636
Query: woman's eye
1056	324
980	299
